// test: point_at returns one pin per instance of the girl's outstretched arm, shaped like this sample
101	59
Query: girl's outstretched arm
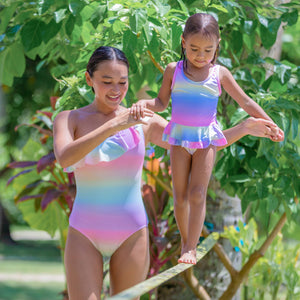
160	103
255	127
245	102
236	92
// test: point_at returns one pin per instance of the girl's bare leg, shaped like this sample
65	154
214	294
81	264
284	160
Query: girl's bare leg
202	165
84	267
129	265
181	166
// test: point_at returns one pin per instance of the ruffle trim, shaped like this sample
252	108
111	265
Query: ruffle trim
111	149
194	137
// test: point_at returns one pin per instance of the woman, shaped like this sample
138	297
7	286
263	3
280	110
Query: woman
105	147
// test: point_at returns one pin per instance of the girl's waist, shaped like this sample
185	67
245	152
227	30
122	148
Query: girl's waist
194	121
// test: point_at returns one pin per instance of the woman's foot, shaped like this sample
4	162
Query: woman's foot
188	257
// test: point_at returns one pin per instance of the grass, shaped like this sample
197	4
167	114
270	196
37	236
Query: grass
30	291
31	270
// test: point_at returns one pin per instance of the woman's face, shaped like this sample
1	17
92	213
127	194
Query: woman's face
110	83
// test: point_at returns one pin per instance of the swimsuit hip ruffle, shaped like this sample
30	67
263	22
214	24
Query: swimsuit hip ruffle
111	149
193	136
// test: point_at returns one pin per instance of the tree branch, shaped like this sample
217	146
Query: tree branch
222	256
242	275
193	282
156	64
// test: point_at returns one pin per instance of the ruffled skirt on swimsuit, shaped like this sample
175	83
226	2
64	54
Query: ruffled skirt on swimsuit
194	136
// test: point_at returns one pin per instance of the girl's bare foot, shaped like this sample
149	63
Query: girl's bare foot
188	257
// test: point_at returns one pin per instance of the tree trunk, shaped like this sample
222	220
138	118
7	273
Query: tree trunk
5	236
223	211
4	222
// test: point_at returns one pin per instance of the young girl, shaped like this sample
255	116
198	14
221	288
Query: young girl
194	84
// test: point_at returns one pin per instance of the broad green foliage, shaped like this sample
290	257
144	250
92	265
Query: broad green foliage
63	34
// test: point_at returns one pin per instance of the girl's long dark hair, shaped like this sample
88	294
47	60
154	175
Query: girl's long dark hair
204	24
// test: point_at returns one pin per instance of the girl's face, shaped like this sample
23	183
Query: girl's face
110	83
200	50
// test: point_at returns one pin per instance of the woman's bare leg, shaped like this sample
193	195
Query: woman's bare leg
202	164
84	267
181	166
129	265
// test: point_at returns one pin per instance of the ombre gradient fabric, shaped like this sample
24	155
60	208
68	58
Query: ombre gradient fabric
108	207
194	106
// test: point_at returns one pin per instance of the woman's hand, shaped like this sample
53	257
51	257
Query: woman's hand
264	128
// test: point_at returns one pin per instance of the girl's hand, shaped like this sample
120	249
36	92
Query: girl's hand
264	128
127	119
138	109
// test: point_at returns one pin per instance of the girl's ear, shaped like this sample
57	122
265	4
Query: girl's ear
88	78
183	42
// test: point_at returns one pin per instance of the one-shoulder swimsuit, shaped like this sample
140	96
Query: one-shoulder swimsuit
108	207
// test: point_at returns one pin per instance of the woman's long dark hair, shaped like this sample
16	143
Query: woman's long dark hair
105	53
204	24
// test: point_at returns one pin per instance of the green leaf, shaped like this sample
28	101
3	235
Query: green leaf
32	34
176	35
50	220
147	33
276	85
269	33
249	26
238	116
88	11
259	164
219	8
272	203
129	41
237	41
6	77
154	47
69	25
225	62
15	60
261	189
183	7
290	17
6	15
295	126
50	30
118	26
283	72
45	5
159	152
60	15
137	20
240	178
254	58
76	6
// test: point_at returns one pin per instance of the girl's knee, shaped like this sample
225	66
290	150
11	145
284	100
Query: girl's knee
180	201
197	195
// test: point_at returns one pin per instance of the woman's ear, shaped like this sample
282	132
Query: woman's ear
88	78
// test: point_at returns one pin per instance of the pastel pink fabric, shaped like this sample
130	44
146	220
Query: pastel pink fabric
108	207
